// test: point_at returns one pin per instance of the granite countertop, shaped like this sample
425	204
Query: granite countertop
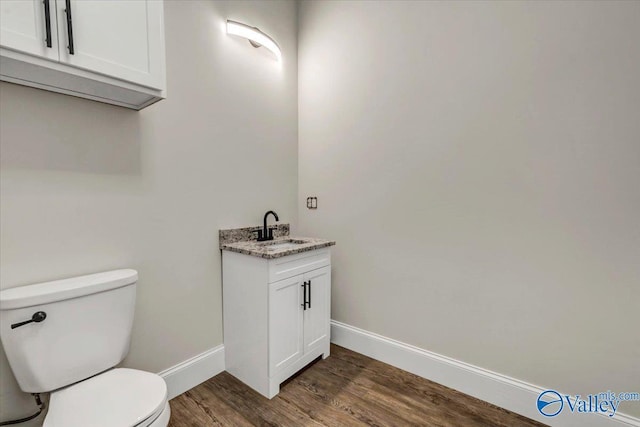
243	240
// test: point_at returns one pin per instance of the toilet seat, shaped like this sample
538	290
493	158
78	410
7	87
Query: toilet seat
119	397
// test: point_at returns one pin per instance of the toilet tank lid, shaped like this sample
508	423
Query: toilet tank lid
58	290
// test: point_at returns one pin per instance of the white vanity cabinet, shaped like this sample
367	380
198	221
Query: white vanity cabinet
276	315
108	51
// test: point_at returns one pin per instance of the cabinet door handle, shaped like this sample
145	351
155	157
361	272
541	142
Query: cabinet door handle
47	22
304	295
309	293
69	27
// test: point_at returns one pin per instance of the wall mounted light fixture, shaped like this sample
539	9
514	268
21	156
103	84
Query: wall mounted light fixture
256	37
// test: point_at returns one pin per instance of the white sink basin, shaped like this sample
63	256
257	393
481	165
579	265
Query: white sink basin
282	244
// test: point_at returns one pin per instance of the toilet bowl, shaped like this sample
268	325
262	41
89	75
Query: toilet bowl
118	397
66	337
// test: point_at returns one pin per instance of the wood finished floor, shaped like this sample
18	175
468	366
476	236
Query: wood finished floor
346	389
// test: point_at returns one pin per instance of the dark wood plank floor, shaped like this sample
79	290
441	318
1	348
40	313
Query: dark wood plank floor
346	389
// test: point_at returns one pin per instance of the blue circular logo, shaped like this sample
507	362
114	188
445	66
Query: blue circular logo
550	403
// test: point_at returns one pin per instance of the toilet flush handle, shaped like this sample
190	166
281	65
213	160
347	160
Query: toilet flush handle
37	317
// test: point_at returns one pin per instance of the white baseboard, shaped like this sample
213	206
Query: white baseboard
500	390
188	374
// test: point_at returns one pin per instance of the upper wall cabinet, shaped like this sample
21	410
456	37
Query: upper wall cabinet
105	50
27	26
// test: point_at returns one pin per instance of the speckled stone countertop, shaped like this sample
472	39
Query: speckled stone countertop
243	240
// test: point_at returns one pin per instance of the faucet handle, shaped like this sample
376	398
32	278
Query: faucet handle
270	237
259	234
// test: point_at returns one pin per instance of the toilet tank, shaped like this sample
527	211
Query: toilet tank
87	328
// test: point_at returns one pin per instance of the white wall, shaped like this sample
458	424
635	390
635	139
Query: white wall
87	187
478	164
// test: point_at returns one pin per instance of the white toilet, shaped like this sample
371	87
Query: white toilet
66	336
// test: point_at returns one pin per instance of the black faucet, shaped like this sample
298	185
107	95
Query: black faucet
267	233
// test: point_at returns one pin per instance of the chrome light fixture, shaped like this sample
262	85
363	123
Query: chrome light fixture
256	37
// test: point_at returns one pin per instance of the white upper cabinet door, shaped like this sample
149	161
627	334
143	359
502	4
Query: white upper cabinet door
25	24
285	323
318	312
118	38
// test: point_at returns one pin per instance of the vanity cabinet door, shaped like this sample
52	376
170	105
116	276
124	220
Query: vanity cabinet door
285	323
318	312
25	24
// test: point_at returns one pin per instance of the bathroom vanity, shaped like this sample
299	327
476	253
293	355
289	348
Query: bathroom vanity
277	304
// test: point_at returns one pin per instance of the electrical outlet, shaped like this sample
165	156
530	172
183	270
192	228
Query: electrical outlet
312	202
